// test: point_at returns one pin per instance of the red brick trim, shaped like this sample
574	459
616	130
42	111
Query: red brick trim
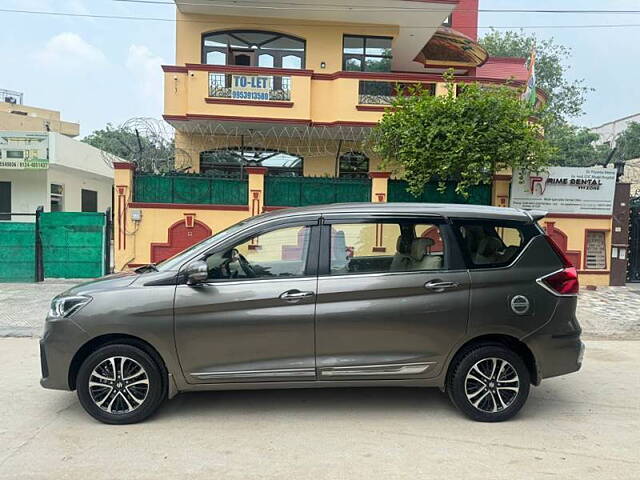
174	69
256	170
296	121
123	166
594	272
579	215
373	108
379	249
229	118
257	103
379	174
503	177
189	206
411	77
275	209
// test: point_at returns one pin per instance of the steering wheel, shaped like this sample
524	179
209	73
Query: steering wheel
246	267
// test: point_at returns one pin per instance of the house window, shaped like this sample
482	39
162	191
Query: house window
253	49
5	200
15	153
366	54
89	201
230	162
57	197
354	165
595	254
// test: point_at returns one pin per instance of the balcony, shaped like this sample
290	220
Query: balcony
237	96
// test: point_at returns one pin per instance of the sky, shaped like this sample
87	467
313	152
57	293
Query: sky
97	71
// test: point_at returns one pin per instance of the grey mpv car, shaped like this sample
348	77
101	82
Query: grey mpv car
477	301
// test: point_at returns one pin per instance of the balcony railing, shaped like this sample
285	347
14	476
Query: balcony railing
274	88
383	93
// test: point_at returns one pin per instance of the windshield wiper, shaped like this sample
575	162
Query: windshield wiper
150	267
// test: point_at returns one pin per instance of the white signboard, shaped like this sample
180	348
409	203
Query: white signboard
585	191
24	151
251	87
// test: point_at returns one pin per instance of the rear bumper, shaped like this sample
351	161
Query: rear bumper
60	342
557	355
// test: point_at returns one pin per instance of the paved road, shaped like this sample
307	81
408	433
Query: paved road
607	313
582	426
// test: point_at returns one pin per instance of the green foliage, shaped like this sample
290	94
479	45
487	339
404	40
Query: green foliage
574	146
566	98
628	143
466	138
149	151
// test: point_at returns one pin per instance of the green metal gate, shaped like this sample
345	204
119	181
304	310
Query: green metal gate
73	244
17	252
303	191
478	195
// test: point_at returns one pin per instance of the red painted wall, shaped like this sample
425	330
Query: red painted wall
465	18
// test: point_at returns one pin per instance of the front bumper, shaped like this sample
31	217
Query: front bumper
61	340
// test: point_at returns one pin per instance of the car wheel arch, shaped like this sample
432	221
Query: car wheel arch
505	340
109	339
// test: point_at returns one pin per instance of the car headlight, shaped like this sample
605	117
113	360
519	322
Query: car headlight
62	307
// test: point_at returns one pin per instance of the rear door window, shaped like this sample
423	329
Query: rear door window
386	247
492	244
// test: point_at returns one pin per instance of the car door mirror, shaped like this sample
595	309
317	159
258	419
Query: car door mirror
197	272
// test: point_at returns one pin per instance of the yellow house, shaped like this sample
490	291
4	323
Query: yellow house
272	104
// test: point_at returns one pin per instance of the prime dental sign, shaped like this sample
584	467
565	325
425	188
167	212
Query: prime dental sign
583	191
251	87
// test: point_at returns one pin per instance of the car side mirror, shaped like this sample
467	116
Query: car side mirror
197	272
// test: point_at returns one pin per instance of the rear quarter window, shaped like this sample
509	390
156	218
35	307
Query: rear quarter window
493	244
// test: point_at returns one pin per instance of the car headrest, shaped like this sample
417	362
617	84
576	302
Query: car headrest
420	247
488	246
403	245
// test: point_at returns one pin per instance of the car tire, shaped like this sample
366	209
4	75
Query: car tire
489	383
120	384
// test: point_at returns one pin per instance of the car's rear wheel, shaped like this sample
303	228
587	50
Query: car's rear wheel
120	384
489	383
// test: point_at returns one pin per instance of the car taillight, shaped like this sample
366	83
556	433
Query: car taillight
564	282
566	263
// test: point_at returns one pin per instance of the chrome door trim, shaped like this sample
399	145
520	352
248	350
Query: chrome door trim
377	370
391	274
231	374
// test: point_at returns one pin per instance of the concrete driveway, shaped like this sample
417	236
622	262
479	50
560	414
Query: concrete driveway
582	426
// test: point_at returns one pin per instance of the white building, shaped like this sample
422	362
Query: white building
54	171
609	131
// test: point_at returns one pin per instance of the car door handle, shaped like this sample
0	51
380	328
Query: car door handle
296	295
437	286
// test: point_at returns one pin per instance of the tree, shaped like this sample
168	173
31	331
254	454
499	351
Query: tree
628	143
142	141
466	138
575	147
566	98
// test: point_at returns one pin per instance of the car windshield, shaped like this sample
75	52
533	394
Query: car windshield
175	262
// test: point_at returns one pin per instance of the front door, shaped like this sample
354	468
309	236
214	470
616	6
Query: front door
253	320
393	298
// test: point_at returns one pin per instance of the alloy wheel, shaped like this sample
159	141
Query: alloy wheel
492	385
118	385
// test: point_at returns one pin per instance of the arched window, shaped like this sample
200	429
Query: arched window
231	162
354	165
253	48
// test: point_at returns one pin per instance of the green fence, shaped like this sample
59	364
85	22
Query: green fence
478	195
190	189
73	244
302	191
17	252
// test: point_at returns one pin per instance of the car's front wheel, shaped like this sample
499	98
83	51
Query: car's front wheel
489	383
120	384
